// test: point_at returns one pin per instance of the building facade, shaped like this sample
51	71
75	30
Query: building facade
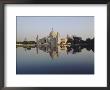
52	39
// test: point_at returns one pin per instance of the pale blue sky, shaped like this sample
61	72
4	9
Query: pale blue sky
29	26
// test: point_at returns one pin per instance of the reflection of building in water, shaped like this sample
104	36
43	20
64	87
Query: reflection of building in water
54	53
37	40
62	48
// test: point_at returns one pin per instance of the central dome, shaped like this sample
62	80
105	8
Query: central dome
52	33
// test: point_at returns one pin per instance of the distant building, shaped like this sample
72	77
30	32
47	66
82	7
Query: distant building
43	40
63	41
52	39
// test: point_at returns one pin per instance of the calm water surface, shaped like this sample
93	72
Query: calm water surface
60	60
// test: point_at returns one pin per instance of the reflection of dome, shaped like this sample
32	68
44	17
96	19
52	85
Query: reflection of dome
54	54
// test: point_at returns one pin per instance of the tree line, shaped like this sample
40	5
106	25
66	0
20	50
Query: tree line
78	40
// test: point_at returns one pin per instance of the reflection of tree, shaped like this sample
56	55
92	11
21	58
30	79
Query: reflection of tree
54	51
27	47
78	48
74	49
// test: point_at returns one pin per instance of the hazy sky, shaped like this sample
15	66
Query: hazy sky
28	27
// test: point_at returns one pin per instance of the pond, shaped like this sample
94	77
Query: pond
59	60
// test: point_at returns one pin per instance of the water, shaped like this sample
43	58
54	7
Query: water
59	60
